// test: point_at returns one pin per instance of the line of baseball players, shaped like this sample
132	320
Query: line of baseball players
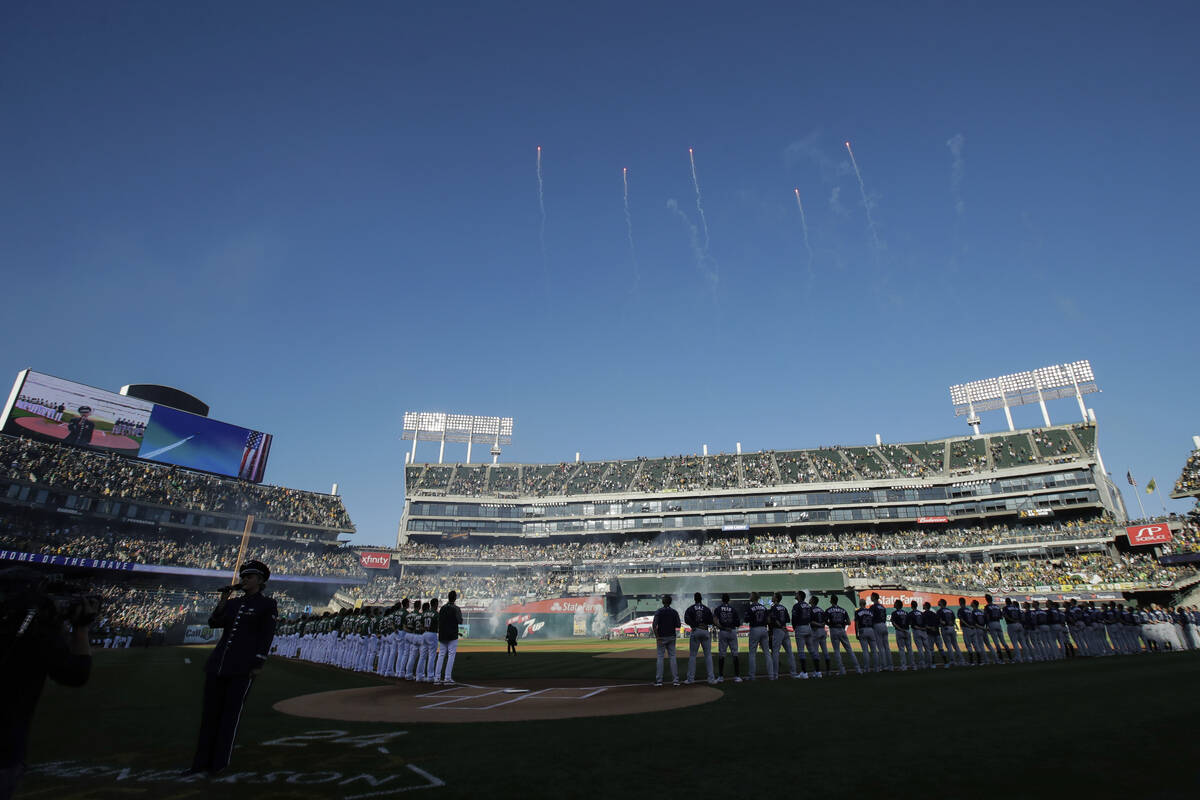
417	644
1012	633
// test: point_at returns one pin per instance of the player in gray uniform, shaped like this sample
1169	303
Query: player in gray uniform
666	627
949	637
903	625
979	620
802	628
816	641
838	619
864	629
758	619
700	618
879	618
1016	631
993	618
920	637
778	621
728	621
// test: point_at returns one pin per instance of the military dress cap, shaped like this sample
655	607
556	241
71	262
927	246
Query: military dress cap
255	568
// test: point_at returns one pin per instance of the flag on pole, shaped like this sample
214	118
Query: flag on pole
1151	486
1129	477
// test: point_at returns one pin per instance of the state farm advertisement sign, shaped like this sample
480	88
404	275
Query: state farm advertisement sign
559	605
1148	534
375	560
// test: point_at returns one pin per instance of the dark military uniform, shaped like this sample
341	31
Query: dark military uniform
249	626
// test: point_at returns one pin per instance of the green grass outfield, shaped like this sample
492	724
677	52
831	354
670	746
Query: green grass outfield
1120	727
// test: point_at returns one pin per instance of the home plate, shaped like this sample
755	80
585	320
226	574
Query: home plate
515	691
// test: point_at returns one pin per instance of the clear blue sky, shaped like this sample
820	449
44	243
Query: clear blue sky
315	216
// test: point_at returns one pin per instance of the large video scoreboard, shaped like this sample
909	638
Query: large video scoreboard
53	409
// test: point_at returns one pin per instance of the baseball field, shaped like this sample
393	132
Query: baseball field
580	719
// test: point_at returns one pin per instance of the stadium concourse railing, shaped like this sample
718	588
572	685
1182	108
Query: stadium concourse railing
944	458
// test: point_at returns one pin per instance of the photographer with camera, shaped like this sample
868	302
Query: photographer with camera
249	626
43	633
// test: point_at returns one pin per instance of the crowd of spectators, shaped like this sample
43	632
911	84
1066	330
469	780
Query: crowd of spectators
922	540
101	474
1074	570
1189	479
766	468
95	542
506	587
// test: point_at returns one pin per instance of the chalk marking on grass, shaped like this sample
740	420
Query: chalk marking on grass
433	783
457	698
510	700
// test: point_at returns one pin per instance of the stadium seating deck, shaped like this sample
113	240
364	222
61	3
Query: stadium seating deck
1054	443
968	455
469	480
436	479
1010	450
867	464
758	470
931	454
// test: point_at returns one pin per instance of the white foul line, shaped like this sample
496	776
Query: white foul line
516	699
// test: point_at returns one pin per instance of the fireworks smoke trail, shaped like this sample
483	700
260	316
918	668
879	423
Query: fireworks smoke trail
699	205
866	205
804	228
629	227
707	268
541	206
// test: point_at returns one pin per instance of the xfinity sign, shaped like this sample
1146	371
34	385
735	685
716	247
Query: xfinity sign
375	560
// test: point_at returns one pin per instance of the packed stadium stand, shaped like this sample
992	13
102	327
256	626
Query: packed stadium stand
1027	510
154	540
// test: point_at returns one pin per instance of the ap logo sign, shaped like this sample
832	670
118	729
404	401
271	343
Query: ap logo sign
1148	534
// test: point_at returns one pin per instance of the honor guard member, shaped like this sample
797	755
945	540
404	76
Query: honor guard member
1016	631
949	637
802	629
864	628
931	620
903	628
816	640
778	622
247	626
993	618
666	627
700	618
728	621
879	621
979	620
838	619
757	619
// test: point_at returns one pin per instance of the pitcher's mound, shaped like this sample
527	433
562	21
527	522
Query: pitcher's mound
496	702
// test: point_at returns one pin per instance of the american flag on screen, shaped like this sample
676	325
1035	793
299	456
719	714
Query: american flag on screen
254	456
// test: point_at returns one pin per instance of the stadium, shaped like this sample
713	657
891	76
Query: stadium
571	560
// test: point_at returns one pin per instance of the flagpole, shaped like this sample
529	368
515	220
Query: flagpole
1160	500
1137	492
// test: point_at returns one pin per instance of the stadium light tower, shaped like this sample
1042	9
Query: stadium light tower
438	426
1024	388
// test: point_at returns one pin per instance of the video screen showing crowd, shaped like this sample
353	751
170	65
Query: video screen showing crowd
925	634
